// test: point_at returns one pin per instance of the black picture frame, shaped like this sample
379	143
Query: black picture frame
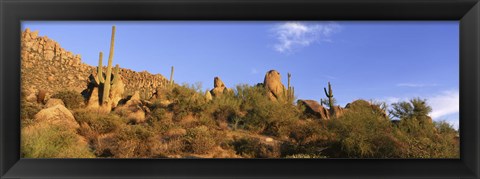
14	11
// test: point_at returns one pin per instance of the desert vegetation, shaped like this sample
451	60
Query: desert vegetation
266	120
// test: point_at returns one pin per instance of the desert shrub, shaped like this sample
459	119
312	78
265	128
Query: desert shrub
71	99
254	148
305	156
307	138
52	141
186	100
419	136
201	140
362	133
427	140
262	114
159	119
223	109
133	141
28	111
99	122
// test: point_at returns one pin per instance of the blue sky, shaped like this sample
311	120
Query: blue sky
385	61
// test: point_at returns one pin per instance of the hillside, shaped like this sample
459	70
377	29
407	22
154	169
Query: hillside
45	65
73	110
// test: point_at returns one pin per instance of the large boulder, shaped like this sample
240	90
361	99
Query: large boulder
273	84
360	103
134	109
116	92
58	115
208	96
313	108
94	93
219	88
53	102
337	112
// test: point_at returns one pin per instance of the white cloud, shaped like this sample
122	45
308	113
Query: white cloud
415	85
445	105
294	35
448	102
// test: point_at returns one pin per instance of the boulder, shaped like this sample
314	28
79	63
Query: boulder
116	92
357	104
336	111
57	114
208	96
273	84
313	108
219	87
53	102
133	109
94	94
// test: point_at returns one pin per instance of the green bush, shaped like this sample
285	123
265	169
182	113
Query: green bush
263	115
418	136
99	122
254	148
201	140
28	111
133	141
186	100
71	99
52	141
307	138
362	133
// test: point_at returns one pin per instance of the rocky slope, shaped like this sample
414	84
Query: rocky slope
45	65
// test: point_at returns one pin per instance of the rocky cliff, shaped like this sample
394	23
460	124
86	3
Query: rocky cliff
45	65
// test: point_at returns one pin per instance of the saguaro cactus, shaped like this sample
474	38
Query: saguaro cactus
100	69
171	76
106	87
329	95
290	89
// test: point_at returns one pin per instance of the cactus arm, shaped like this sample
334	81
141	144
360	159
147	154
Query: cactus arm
289	76
116	75
106	87
326	94
100	78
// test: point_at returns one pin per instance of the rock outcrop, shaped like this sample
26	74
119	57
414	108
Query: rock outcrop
134	109
273	84
336	111
57	115
219	88
313	108
53	102
45	65
360	103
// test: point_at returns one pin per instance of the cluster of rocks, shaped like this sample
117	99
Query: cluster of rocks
316	110
219	89
46	66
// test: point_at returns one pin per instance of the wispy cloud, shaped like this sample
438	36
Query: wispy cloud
253	71
445	105
415	85
329	77
295	35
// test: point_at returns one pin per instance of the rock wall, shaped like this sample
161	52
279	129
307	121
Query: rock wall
45	65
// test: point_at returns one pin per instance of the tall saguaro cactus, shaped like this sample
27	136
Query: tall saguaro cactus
290	89
329	95
106	87
171	76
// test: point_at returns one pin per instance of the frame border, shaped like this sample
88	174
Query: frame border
466	11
